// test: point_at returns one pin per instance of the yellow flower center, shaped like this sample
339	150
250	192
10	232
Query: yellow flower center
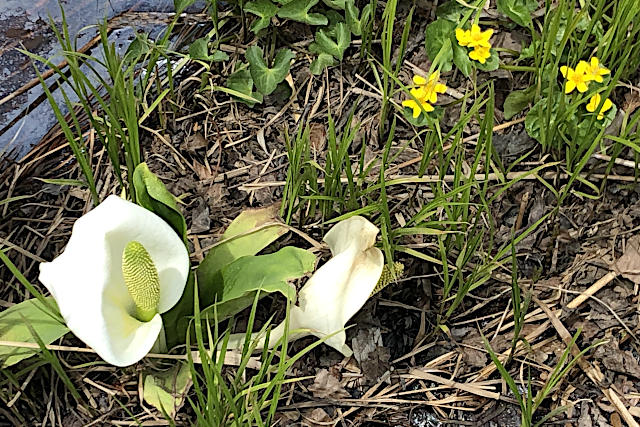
141	278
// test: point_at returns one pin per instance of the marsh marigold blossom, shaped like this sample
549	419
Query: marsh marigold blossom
474	37
594	70
576	79
480	54
426	92
595	101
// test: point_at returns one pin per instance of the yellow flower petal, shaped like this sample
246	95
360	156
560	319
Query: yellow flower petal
564	69
462	36
419	80
569	87
582	87
593	103
440	88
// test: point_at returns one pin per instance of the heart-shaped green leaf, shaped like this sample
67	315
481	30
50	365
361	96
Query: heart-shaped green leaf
199	49
357	24
298	10
436	35
166	391
518	10
265	10
335	47
321	62
266	79
242	83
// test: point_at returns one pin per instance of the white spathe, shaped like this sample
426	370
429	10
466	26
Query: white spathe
86	280
337	290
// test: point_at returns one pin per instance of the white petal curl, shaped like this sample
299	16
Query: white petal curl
86	279
337	290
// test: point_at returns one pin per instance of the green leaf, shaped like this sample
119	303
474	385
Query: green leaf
336	4
335	47
436	35
266	79
199	49
461	58
517	101
154	196
518	10
298	10
241	82
251	231
63	181
138	48
451	10
536	117
265	10
492	63
180	5
321	62
356	25
247	275
166	391
219	56
13	327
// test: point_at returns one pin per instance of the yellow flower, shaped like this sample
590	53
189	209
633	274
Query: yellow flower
576	79
474	37
480	54
426	92
595	101
595	71
416	107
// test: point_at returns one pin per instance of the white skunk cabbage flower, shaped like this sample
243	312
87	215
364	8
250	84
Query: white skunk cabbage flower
336	291
122	268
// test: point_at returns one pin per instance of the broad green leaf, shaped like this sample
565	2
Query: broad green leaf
166	391
335	47
336	4
13	327
265	10
517	101
535	119
138	48
492	63
266	79
355	21
518	10
199	49
154	196
321	62
437	33
298	10
451	10
251	231
219	56
247	275
241	82
461	58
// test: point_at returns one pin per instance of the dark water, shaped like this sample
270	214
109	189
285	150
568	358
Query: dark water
24	24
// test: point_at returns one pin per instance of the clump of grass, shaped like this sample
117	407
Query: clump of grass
110	92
